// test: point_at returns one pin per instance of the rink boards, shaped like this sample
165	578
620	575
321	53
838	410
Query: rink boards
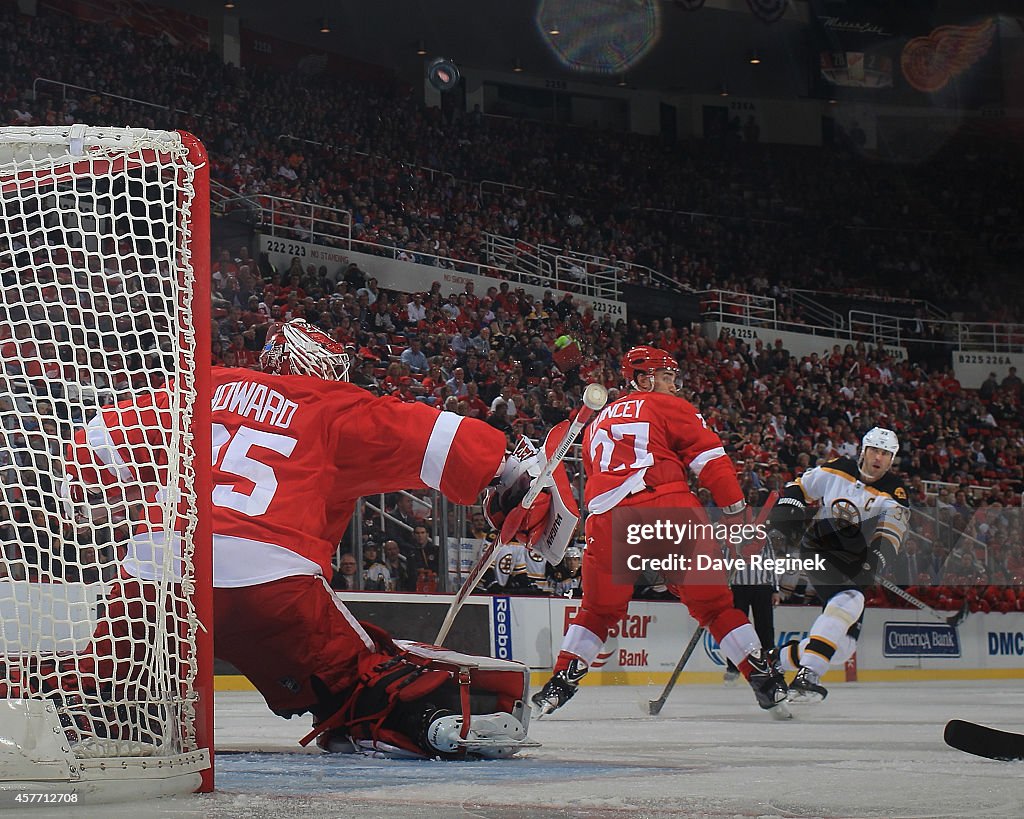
896	644
643	648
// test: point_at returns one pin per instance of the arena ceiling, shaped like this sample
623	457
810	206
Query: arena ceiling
668	48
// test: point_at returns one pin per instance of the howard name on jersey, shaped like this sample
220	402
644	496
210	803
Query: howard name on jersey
277	438
851	514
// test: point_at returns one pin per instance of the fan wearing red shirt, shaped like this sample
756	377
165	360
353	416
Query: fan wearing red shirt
293	450
637	452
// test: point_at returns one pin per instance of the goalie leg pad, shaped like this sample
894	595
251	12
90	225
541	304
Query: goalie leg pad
405	688
386	683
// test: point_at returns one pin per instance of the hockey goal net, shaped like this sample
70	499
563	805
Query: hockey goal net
105	648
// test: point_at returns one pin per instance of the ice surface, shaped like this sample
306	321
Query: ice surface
870	750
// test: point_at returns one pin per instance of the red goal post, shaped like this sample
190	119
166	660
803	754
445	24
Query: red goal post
106	666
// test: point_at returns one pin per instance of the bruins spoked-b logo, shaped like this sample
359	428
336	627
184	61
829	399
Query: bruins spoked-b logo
846	517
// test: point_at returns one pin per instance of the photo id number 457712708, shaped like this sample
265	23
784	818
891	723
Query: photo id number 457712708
29	798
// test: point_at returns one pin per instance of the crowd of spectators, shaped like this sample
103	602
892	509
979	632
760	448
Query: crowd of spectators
752	218
707	214
75	334
495	357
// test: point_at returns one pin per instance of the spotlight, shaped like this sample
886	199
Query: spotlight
554	31
325	26
443	74
228	4
622	82
421	49
723	91
517	66
755	58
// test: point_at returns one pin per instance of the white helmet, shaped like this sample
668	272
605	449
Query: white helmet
884	439
574	551
300	348
880	438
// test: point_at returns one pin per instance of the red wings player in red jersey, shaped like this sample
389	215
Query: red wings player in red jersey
638	451
293	450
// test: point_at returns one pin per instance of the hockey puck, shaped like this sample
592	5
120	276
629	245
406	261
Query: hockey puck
595	396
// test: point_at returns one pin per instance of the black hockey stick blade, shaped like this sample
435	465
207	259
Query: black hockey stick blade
980	740
956	619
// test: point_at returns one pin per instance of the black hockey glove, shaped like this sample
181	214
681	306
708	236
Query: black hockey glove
789	517
880	555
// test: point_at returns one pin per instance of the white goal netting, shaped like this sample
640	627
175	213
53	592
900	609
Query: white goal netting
102	233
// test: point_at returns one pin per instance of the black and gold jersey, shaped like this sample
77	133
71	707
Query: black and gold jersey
851	513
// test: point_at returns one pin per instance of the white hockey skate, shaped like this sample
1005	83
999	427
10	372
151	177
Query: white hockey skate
490	736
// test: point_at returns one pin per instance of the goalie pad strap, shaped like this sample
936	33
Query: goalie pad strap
404	686
464	702
385	681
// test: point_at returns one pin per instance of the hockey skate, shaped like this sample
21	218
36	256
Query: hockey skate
806	687
559	689
490	736
438	733
730	677
768	682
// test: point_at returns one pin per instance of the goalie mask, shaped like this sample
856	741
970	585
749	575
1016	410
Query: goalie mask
300	348
873	465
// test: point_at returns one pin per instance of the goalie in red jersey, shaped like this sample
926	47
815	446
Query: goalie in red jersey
294	447
637	452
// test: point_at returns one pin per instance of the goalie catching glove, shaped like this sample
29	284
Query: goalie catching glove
549	525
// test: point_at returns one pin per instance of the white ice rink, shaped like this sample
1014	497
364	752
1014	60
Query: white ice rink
870	750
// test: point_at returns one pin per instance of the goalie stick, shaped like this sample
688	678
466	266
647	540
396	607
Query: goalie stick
981	740
953	620
594	398
654	706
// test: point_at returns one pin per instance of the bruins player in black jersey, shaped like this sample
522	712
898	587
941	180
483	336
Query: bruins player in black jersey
854	514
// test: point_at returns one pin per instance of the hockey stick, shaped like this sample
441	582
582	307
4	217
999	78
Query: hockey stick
953	620
654	706
980	740
594	398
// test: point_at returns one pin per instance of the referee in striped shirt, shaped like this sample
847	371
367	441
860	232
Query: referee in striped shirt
755	591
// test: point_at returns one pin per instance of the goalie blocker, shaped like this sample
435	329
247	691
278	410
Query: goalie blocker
416	700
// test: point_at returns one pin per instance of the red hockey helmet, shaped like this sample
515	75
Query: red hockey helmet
645	360
300	348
